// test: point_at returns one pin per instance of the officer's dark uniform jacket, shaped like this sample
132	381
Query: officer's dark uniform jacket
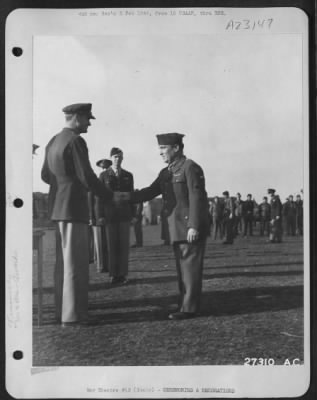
185	202
122	183
68	171
229	207
248	207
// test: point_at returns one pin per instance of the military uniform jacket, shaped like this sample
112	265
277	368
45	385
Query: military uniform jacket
185	202
216	209
238	208
228	205
68	171
248	207
123	183
265	211
276	207
299	208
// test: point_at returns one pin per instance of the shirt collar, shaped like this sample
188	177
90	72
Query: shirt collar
116	171
176	164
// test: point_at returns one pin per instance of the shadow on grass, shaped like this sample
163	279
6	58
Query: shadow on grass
214	304
172	278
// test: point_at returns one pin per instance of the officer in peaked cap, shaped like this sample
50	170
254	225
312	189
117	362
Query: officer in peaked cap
117	218
276	217
79	109
185	202
68	171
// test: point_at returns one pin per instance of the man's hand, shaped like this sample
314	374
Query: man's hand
119	197
134	220
91	222
231	216
192	235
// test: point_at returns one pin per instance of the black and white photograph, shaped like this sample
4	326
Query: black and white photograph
166	236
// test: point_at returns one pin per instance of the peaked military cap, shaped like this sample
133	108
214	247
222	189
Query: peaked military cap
104	163
114	151
170	138
79	108
226	193
271	191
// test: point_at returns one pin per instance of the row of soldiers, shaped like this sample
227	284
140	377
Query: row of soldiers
233	216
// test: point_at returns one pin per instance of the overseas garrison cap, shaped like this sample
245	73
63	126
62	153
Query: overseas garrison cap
79	108
226	193
271	191
104	163
114	151
170	138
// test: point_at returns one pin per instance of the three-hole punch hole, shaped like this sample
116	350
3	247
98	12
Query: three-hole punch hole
18	355
18	203
17	51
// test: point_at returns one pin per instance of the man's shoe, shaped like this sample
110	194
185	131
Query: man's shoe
179	315
226	242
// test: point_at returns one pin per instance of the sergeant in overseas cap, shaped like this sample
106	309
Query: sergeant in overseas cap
170	138
79	108
114	151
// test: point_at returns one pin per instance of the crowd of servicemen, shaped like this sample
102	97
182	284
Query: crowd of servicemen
108	204
232	216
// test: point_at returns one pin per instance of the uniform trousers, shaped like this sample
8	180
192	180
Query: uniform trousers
299	225
100	248
138	232
228	224
217	227
189	266
276	231
264	226
75	248
118	240
248	223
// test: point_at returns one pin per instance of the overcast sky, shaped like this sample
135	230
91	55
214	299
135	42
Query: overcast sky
238	100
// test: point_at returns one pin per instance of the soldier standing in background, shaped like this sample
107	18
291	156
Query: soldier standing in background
216	212
117	218
276	217
290	215
248	209
299	215
228	218
238	215
182	185
265	215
